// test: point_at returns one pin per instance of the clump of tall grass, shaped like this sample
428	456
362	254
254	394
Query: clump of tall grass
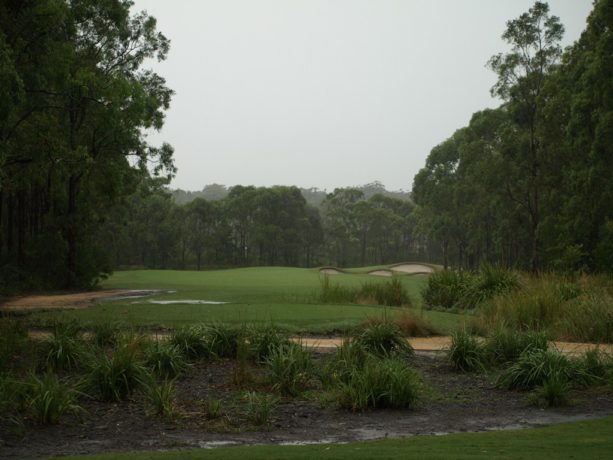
449	290
380	382
382	338
264	339
166	360
553	392
222	340
105	333
48	399
391	293
65	349
260	407
289	368
161	398
580	310
191	341
13	344
505	345
534	367
466	353
116	377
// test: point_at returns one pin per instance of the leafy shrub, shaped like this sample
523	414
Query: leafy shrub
65	349
505	345
534	367
387	382
265	339
391	293
212	408
166	360
466	353
553	392
48	399
289	368
222	340
382	338
115	377
13	344
105	333
191	341
260	407
446	289
161	398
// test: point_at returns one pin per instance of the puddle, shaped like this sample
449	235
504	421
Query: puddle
135	294
311	442
186	302
215	444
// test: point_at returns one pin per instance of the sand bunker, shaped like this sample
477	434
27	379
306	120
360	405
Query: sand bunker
413	269
69	301
330	271
381	273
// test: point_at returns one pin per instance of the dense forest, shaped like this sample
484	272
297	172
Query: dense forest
527	185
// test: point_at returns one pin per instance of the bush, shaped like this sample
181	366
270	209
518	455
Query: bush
349	356
116	377
505	345
387	382
446	289
264	339
260	407
166	360
391	293
289	368
383	338
212	408
48	399
553	392
222	340
589	317
105	333
65	349
161	399
466	353
535	367
191	341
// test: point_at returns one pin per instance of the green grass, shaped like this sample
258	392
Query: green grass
587	439
288	297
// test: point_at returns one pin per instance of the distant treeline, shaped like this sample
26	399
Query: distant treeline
261	226
530	184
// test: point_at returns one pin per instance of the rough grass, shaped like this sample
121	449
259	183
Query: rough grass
285	296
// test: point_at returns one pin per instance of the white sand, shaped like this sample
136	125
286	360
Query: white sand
413	268
381	273
330	271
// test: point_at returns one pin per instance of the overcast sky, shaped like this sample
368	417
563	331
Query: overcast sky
326	93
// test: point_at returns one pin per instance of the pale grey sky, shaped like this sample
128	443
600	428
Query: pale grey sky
326	93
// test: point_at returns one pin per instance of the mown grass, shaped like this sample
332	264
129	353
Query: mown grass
287	297
586	439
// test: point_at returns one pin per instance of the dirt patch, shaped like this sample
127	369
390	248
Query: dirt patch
455	402
67	301
413	269
381	273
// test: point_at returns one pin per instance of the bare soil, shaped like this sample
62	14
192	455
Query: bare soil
453	402
66	301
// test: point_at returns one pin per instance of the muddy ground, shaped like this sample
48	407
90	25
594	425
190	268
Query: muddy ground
453	402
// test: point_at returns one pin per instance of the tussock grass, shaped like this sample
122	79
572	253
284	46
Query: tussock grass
166	360
382	338
65	349
48	399
505	345
161	399
260	407
466	353
264	339
289	368
391	293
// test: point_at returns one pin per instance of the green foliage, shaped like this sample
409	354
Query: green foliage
116	377
466	353
535	367
212	408
48	399
380	382
191	340
505	345
166	360
161	398
222	340
391	293
265	339
447	289
65	349
260	407
289	368
105	333
553	392
382	338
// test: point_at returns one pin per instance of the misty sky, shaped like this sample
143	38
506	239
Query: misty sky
326	93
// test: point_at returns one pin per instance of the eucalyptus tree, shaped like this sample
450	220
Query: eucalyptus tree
535	49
